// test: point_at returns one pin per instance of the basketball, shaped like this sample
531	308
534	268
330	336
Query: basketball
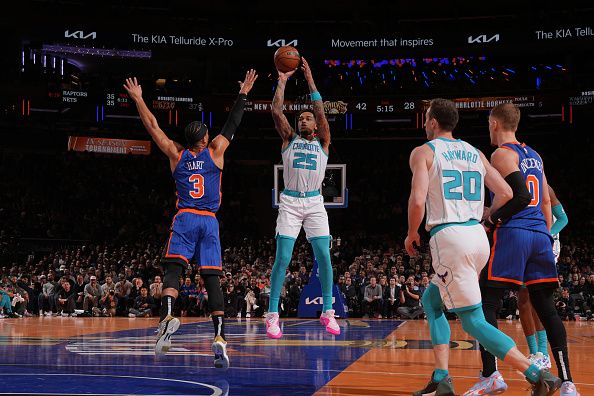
286	58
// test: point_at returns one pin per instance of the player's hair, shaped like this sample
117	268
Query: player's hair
444	111
194	132
508	114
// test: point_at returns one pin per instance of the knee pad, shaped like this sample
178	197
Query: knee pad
215	293
172	272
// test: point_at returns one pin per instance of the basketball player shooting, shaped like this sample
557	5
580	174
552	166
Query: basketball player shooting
197	170
305	155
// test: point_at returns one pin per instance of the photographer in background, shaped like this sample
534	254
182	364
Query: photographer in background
410	297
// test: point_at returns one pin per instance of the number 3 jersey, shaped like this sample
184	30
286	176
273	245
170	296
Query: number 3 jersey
197	181
304	165
456	177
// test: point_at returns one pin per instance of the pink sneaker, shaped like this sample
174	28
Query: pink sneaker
272	328
328	320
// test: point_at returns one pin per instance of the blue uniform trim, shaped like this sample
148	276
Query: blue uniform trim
431	145
289	145
440	227
461	309
304	194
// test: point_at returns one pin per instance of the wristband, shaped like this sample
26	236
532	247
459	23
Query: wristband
315	96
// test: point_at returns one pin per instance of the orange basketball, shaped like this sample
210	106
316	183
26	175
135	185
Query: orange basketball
286	58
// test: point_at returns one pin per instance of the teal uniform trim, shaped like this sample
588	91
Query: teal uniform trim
298	194
440	227
289	145
531	340
448	140
541	336
285	237
431	145
468	308
322	148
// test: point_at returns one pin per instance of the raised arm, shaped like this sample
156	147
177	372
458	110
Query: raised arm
219	144
318	107
280	120
418	195
170	148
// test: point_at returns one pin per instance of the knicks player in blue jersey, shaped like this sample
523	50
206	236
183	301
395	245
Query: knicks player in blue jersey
522	250
447	185
197	170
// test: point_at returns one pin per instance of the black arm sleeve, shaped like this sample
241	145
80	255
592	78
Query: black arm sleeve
522	197
234	117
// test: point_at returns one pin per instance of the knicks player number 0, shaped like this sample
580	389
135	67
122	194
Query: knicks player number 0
471	191
197	181
534	188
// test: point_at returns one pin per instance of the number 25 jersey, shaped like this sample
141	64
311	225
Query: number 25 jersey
304	165
197	181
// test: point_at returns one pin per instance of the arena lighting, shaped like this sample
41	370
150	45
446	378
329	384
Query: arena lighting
114	53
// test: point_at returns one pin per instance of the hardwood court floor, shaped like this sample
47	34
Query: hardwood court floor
113	356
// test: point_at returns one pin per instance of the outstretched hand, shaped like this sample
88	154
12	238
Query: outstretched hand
246	85
409	243
285	76
133	88
306	70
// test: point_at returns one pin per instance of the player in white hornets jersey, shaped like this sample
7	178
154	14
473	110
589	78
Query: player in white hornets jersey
447	182
305	155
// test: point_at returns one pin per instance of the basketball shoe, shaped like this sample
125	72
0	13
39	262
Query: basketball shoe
167	327
492	385
327	319
219	348
272	326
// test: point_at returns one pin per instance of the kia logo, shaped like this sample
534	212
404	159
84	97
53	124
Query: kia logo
79	34
281	43
482	39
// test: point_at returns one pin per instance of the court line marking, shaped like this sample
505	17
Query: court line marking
391	373
216	390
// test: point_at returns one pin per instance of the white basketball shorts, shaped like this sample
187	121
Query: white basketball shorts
293	213
459	254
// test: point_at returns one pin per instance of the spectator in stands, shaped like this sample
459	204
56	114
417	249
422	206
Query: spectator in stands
93	293
565	305
144	305
372	301
108	286
410	297
231	301
391	299
122	292
188	296
79	290
108	303
66	300
156	288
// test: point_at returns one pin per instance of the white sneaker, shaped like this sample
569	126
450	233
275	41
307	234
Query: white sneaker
2	316
131	315
40	312
328	320
64	314
167	327
255	306
239	315
272	326
219	348
540	360
509	317
247	315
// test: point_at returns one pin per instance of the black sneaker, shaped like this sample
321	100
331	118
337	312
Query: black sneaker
441	388
13	315
546	385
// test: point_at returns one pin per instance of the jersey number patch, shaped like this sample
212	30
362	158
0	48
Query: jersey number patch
534	188
470	180
197	181
305	161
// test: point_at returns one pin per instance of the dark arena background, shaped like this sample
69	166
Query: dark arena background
85	192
